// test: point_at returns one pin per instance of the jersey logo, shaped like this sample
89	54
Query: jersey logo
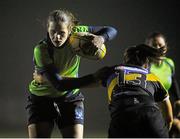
79	113
136	101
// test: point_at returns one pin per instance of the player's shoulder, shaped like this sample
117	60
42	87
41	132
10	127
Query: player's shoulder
40	46
152	77
169	61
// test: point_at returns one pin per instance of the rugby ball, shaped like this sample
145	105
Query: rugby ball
82	45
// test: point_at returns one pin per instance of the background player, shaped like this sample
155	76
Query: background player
164	69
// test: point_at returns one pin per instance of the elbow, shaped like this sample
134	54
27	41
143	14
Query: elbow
112	33
114	30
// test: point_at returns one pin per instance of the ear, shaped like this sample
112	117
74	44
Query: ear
70	30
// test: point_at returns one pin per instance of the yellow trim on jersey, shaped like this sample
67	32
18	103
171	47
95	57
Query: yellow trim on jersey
114	81
152	77
111	87
132	76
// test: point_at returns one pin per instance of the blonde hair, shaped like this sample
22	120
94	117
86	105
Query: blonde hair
60	16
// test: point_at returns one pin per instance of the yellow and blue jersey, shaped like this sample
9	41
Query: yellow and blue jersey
130	80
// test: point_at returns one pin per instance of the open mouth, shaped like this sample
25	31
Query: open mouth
57	43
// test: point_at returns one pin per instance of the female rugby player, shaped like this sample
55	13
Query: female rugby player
54	58
165	71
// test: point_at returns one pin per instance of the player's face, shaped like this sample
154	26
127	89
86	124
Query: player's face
159	42
58	33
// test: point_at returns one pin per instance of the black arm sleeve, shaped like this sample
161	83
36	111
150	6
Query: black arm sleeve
106	31
174	90
105	74
67	83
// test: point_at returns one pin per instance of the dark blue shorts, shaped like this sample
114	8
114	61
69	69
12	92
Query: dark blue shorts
62	111
138	122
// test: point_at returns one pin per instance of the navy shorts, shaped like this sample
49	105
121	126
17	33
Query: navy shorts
60	110
144	122
136	117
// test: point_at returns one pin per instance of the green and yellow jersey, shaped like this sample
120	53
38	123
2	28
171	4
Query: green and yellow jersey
164	71
64	60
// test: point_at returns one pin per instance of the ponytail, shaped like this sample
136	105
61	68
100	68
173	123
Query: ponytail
142	54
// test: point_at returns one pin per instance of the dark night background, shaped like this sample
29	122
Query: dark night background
22	26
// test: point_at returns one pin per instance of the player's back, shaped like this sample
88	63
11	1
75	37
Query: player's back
134	81
127	80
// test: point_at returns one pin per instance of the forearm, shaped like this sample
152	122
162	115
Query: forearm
167	110
107	32
64	84
74	83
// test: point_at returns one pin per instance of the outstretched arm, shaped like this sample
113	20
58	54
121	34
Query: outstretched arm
63	84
